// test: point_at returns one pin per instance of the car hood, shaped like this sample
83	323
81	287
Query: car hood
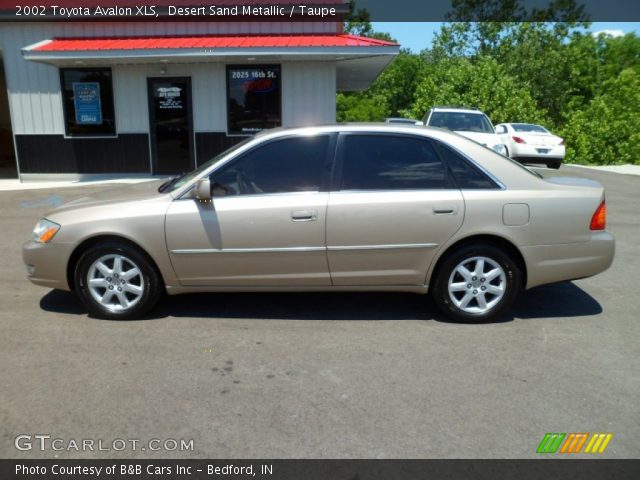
114	195
486	139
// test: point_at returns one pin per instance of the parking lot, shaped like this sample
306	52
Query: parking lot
348	375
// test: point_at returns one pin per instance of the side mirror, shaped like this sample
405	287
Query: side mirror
202	189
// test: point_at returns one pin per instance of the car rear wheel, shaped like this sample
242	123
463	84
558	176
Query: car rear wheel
476	283
116	281
554	164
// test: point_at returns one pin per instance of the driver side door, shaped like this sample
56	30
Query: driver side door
266	223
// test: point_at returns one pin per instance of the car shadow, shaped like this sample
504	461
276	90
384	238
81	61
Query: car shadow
550	301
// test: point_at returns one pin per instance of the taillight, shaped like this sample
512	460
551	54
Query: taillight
599	219
518	140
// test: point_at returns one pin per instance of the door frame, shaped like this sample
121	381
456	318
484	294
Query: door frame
153	146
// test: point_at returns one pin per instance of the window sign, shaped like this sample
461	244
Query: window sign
253	98
169	98
86	99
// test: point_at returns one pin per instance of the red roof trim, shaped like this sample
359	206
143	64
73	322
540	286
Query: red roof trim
208	41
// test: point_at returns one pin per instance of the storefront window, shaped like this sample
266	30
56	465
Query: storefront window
253	98
88	101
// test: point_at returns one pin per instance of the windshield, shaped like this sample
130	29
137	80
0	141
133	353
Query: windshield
401	120
528	127
461	122
180	180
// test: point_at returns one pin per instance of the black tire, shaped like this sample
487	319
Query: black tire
512	282
148	279
554	164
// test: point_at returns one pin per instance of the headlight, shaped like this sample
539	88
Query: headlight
45	230
500	148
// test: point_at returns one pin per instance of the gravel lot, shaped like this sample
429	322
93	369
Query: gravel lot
323	375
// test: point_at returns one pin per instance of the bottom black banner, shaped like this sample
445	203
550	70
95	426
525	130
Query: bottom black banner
321	469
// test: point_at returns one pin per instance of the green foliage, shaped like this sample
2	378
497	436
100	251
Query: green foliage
397	84
360	108
483	84
606	131
551	71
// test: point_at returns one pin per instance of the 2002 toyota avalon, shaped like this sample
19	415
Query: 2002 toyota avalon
348	207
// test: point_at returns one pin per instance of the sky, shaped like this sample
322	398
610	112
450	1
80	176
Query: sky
417	36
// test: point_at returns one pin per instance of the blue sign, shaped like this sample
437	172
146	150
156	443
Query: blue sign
86	99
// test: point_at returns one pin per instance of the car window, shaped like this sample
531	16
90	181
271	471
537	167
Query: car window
389	162
461	122
528	127
466	175
294	164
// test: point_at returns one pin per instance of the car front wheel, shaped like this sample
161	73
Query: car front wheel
476	283
116	281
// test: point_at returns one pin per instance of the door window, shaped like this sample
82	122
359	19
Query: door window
390	162
293	164
170	124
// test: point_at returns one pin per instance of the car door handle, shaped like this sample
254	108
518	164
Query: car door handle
444	210
304	215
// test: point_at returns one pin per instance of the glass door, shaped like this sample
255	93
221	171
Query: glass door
170	124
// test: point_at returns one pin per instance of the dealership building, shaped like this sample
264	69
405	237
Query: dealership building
158	97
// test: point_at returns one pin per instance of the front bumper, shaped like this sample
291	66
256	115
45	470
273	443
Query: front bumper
571	261
47	263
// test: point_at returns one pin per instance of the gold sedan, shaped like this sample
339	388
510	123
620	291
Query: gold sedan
334	208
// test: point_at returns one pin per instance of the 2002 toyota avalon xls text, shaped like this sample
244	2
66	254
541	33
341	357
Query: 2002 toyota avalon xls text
346	207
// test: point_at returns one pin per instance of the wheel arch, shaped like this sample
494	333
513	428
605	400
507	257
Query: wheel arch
92	241
495	240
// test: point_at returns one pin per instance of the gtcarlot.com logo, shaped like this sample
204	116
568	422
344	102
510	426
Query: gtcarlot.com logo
46	442
574	443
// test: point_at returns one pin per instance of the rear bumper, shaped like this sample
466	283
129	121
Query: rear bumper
557	263
46	263
532	151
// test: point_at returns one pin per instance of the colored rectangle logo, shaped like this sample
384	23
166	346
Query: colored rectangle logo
574	443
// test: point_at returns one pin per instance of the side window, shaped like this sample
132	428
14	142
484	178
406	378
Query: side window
467	176
388	162
293	164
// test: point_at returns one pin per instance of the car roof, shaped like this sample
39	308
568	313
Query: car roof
352	126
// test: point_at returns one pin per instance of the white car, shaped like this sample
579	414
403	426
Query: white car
468	122
530	143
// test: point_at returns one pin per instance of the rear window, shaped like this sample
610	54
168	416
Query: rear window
461	122
528	127
466	175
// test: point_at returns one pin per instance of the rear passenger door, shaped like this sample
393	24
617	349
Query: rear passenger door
392	204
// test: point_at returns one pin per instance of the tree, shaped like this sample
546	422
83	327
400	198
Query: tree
483	83
360	108
606	131
398	82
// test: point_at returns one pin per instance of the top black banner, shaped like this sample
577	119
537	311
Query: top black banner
322	10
